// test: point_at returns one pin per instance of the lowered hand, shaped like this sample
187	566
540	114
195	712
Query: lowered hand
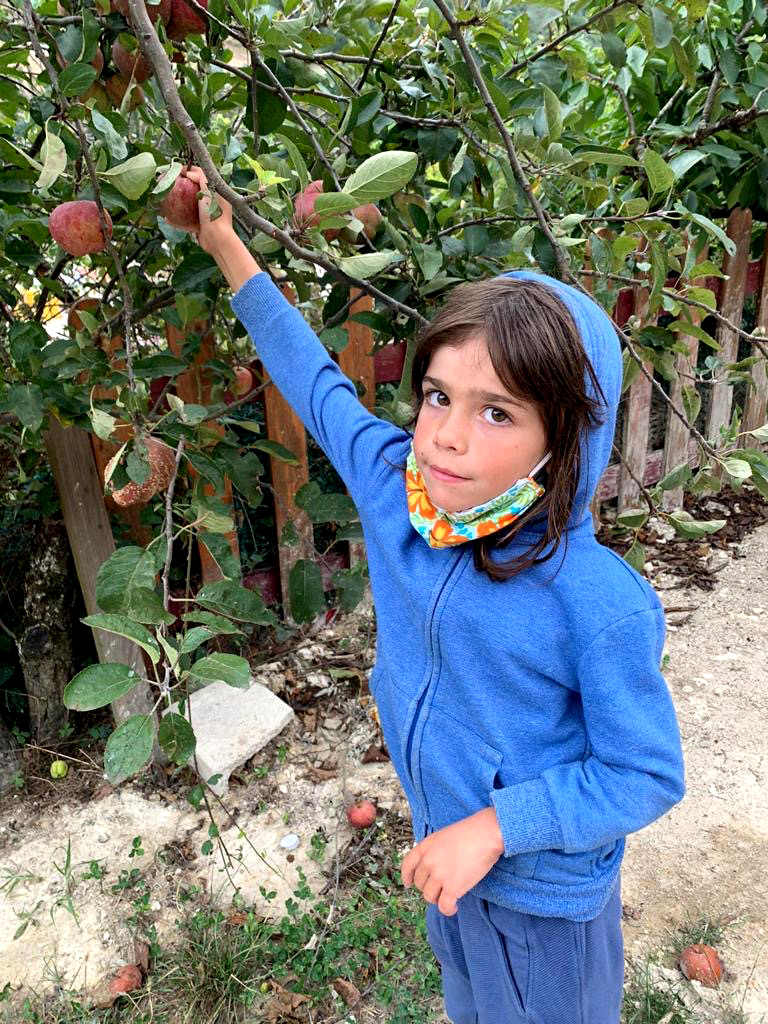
446	864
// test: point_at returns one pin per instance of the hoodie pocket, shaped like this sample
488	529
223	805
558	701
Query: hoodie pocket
457	769
566	868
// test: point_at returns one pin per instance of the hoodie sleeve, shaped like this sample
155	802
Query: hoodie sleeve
323	398
634	772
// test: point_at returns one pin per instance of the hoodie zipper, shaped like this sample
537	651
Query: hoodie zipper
432	622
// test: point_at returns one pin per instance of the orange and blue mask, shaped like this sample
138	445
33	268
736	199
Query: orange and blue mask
442	529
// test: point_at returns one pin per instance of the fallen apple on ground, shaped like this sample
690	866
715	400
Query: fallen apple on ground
361	814
77	228
701	963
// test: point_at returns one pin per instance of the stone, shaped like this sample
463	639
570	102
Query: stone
231	725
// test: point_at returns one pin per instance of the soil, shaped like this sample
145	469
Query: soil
65	846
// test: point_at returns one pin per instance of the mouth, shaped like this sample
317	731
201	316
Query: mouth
446	475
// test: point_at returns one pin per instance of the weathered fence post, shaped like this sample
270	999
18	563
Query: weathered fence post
755	413
739	230
285	427
637	412
356	361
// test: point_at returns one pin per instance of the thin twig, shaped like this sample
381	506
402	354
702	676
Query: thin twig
376	45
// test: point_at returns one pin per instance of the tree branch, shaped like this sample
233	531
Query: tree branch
474	70
156	55
376	45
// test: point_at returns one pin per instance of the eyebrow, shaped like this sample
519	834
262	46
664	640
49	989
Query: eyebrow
486	396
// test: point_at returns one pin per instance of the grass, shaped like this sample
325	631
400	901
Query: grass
235	966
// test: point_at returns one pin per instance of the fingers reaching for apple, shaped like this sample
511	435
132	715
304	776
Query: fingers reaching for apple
214	213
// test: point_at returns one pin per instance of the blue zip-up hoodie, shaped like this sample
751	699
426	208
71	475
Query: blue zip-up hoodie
540	696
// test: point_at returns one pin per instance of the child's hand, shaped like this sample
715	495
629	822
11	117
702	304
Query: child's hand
215	234
446	864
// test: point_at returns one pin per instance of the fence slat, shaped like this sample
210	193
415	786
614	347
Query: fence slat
677	436
357	362
755	414
285	427
194	387
739	230
637	415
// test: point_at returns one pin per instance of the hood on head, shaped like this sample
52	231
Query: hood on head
601	344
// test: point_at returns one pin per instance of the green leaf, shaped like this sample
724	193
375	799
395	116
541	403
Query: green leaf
99	685
614	49
103	423
683	162
709	226
737	469
610	159
54	157
636	556
222	554
553	113
113	139
305	591
176	738
26	401
761	433
380	176
234	600
296	159
195	269
330	203
167	178
691	529
677	477
691	402
76	78
123	626
215	623
429	258
196	636
129	748
325	508
660	175
275	450
633	518
125	570
367	264
132	177
225	668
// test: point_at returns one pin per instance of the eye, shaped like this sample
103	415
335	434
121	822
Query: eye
494	415
435	398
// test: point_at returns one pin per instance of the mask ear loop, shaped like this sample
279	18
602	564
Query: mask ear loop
537	467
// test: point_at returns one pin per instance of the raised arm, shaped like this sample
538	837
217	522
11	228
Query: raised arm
356	442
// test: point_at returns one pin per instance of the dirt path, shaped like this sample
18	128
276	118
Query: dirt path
707	858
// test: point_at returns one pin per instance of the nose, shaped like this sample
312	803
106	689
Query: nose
451	434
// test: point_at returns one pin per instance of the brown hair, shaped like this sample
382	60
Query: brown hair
537	353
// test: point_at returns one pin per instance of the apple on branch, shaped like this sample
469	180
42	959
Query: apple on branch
180	207
77	228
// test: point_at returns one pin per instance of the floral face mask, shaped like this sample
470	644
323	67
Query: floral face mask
441	529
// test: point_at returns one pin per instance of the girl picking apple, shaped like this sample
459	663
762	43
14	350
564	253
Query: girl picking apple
517	665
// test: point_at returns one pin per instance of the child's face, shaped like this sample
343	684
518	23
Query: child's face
472	429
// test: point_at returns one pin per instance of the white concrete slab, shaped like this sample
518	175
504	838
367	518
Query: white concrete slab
231	725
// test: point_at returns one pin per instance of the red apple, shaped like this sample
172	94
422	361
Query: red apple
90	305
361	814
701	963
96	62
304	215
131	63
370	215
161	10
185	21
180	205
243	381
77	228
116	87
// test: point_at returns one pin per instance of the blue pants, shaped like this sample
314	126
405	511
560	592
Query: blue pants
502	967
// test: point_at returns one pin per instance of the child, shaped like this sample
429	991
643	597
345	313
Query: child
517	660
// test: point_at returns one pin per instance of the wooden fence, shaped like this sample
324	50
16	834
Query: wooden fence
367	368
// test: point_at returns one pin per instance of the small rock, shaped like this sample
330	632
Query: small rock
290	841
332	723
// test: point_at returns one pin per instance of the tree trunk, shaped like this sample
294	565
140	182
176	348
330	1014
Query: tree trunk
9	758
45	646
